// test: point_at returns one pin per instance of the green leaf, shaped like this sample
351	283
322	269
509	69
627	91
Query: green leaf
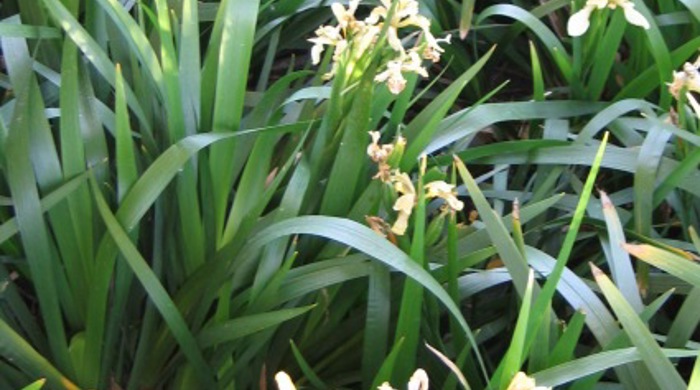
363	239
35	385
155	290
507	249
514	357
618	260
419	133
580	368
661	368
15	348
243	326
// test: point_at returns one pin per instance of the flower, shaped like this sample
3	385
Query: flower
440	189
346	17
378	153
418	381
523	382
687	80
325	35
284	382
405	15
353	38
393	75
404	204
580	21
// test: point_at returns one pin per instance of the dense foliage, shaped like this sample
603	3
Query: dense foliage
200	194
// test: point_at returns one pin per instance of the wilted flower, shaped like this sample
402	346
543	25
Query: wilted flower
688	78
523	382
378	153
440	189
580	21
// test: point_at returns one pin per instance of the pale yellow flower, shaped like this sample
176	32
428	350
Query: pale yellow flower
346	17
393	75
440	189
325	36
284	382
687	80
523	382
365	38
405	15
405	203
580	21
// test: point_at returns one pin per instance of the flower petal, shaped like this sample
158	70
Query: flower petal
579	22
316	51
635	17
401	224
385	386
284	382
419	380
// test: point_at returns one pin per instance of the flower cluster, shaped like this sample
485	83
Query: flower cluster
580	21
687	80
403	185
353	38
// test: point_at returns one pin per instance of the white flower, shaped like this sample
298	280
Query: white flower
523	382
580	21
419	380
385	386
440	189
284	382
633	16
